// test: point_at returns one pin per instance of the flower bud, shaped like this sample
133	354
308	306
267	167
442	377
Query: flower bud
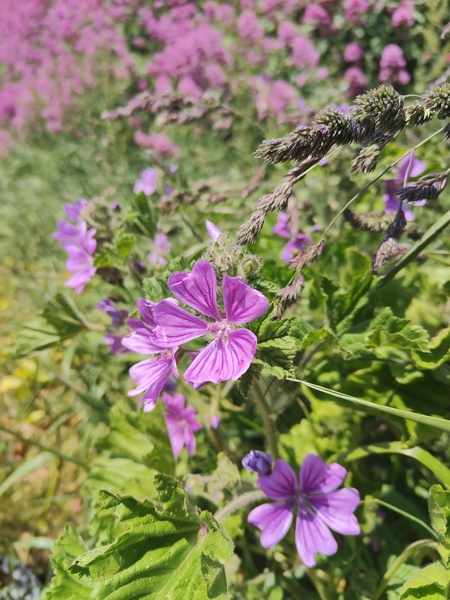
258	462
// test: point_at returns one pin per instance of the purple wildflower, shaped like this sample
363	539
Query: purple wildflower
411	167
258	462
80	261
150	374
115	343
147	182
110	308
315	498
68	231
282	226
298	243
161	245
392	65
231	350
181	423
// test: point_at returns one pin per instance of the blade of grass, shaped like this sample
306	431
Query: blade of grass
436	422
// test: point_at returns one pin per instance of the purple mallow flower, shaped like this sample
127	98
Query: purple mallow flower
409	167
296	243
231	350
70	232
181	423
316	499
147	182
110	308
80	261
150	374
258	462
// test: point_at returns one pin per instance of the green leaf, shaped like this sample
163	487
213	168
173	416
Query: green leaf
277	356
430	583
114	254
438	351
134	450
155	289
340	303
143	217
439	505
249	378
389	330
64	584
160	550
60	320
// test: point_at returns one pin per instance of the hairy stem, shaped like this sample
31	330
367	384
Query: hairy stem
238	503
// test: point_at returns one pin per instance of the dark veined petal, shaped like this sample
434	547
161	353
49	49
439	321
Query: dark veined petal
273	520
336	510
146	310
281	484
142	340
241	302
222	360
175	325
316	477
312	536
197	289
150	375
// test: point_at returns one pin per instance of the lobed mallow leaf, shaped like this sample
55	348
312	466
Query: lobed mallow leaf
161	550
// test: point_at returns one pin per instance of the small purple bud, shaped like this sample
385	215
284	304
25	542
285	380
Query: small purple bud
215	420
140	266
115	206
258	462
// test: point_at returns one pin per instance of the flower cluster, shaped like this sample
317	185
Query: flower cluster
315	498
59	43
166	326
79	243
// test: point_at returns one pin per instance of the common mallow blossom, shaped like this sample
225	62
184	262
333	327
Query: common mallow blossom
317	501
147	182
111	309
150	374
258	462
67	231
81	257
213	231
231	350
409	167
181	423
297	242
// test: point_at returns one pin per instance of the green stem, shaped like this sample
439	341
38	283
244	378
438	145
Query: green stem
238	503
269	424
406	515
42	447
411	549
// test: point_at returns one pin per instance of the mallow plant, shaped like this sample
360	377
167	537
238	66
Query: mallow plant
282	424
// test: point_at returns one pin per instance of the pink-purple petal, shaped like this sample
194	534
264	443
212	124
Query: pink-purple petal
151	375
241	302
312	536
273	520
316	477
281	484
197	289
336	510
146	310
175	325
222	360
142	341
